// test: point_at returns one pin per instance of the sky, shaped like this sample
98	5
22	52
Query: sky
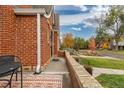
79	19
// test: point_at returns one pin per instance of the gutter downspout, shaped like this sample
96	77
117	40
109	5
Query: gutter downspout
48	16
38	66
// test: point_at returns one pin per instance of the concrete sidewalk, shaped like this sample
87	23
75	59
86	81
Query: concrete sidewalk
118	56
98	71
104	57
59	68
56	67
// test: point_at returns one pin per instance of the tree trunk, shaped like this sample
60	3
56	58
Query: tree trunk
116	46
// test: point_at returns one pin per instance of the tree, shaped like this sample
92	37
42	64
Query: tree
67	41
62	46
100	36
92	44
111	26
114	22
100	30
78	43
85	44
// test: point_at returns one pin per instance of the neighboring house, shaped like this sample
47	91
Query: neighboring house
120	45
30	32
104	44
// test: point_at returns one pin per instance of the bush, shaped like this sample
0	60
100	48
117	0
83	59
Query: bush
89	69
77	59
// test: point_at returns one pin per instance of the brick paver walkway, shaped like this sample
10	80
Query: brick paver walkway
56	75
31	80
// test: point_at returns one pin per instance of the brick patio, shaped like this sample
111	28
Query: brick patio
31	80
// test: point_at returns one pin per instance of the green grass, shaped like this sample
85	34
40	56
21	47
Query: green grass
120	52
112	51
103	63
111	81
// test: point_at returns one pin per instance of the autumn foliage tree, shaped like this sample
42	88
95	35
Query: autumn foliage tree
76	43
112	24
67	41
91	44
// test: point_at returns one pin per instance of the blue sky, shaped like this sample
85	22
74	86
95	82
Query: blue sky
79	19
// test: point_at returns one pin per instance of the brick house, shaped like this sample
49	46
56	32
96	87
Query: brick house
30	32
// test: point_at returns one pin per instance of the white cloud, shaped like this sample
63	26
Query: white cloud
88	24
95	13
71	19
82	7
99	10
87	19
76	29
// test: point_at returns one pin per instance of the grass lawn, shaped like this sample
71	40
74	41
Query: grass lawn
112	51
103	63
120	52
111	81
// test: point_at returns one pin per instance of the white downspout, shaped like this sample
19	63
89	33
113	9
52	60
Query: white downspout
38	66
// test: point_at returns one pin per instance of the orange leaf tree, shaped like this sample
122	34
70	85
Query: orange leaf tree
91	44
68	40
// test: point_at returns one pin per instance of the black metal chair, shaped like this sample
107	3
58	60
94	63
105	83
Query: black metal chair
9	58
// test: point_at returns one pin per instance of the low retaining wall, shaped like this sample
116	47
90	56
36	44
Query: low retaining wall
79	76
61	53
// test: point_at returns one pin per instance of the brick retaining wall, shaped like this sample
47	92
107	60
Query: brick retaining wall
79	76
61	53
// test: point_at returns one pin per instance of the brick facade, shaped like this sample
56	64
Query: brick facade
26	39
45	41
7	32
56	34
56	43
18	36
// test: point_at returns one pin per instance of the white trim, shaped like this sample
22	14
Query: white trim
20	11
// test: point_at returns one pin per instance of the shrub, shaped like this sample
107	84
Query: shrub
89	69
77	59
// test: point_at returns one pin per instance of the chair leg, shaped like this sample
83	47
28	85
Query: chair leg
21	78
10	82
16	75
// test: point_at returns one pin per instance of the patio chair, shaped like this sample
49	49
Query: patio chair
9	58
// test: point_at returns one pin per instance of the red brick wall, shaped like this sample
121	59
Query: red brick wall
26	39
55	43
18	36
7	32
45	41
